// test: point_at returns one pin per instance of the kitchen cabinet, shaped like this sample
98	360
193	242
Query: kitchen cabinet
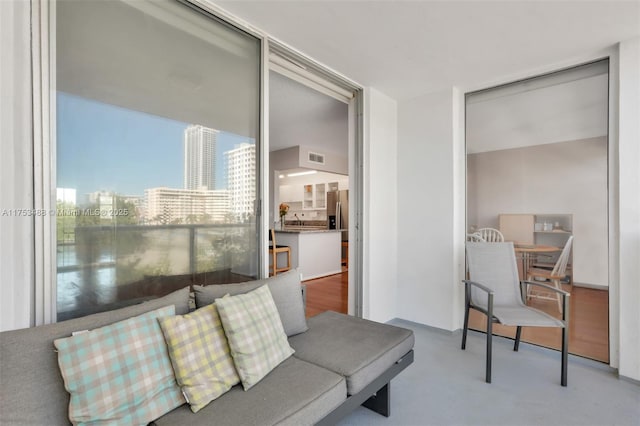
315	253
314	196
290	193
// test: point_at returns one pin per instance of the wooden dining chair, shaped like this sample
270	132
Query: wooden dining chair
274	250
557	274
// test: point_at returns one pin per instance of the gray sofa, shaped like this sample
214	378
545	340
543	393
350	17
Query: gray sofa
340	362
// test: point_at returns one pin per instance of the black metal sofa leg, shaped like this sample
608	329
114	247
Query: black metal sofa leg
381	401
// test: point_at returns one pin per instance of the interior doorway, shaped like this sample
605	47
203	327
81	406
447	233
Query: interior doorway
314	189
537	170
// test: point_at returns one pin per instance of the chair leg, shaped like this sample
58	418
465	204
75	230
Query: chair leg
489	343
565	341
275	262
465	328
556	283
516	345
565	355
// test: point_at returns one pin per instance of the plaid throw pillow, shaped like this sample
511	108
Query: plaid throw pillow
120	373
255	334
200	355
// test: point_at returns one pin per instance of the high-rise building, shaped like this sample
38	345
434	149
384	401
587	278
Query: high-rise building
240	164
200	157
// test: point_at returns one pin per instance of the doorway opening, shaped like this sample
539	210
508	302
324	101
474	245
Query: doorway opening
537	171
315	183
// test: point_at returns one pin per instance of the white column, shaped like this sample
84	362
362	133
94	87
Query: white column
629	208
380	277
16	171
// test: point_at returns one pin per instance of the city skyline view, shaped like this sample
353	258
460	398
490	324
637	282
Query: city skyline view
114	149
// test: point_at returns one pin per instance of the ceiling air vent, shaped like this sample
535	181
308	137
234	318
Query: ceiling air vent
314	157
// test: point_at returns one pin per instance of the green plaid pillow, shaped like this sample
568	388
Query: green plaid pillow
200	355
120	373
255	334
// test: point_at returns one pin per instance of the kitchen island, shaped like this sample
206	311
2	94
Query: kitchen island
315	252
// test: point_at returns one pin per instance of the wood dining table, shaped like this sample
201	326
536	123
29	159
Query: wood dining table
528	251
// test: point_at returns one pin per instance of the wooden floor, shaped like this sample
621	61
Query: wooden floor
328	294
588	322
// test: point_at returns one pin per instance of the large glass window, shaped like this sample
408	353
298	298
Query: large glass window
157	115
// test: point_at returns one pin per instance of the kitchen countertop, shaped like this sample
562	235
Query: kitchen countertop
311	230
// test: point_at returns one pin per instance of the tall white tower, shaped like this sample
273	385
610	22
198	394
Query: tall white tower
241	179
200	157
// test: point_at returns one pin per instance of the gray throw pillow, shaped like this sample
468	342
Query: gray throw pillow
285	289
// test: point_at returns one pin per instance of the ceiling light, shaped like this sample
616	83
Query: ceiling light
281	176
310	172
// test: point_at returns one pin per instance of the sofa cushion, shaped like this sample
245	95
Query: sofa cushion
32	388
255	334
200	355
358	349
294	393
119	373
285	289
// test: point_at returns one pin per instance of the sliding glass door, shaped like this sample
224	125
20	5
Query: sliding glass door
157	124
537	170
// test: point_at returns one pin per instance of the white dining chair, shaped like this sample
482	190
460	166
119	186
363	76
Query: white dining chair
490	235
475	237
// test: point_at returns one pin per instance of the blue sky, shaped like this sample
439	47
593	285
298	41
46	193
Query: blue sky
104	147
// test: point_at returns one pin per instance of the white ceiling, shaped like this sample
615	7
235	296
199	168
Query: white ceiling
564	112
133	55
299	115
405	49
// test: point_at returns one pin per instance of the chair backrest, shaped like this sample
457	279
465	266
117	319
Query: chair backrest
494	266
490	235
475	237
561	265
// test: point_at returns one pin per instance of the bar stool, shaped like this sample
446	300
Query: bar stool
274	249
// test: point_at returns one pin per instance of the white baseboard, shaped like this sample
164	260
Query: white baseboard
592	286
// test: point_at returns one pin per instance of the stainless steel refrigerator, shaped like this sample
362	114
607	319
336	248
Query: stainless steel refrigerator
338	212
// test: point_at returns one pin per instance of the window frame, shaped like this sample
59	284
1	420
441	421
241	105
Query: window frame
43	67
44	125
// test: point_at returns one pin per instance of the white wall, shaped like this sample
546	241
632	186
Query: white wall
428	286
561	107
380	279
629	213
561	178
16	182
426	248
